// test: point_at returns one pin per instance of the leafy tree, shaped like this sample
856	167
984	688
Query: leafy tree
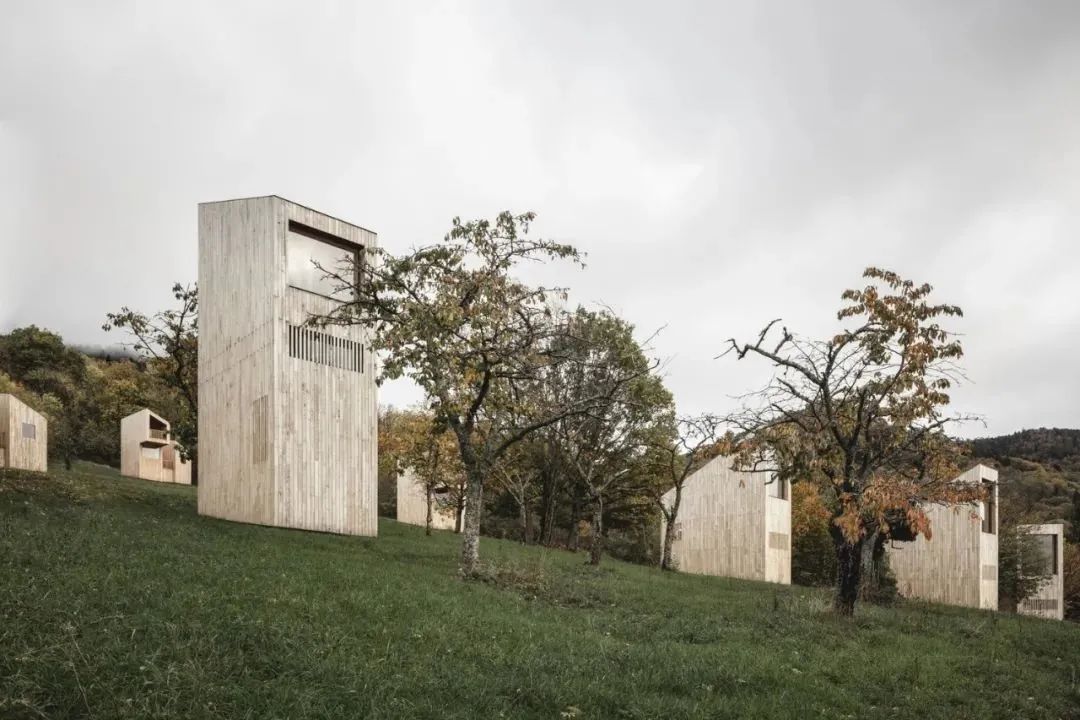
862	415
516	474
813	561
1073	528
602	446
1070	572
453	317
38	360
168	341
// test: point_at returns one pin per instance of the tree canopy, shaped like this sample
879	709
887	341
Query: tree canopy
863	414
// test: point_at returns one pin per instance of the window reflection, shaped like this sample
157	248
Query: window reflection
308	260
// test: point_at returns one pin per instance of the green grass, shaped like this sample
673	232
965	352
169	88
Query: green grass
118	601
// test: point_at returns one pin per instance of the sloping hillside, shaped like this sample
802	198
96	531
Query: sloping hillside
118	601
1039	471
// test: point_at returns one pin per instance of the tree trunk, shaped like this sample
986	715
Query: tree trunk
460	514
67	461
427	520
848	571
547	508
666	562
470	542
523	520
597	545
669	532
573	537
869	573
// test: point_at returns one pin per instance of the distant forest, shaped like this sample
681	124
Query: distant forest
1039	473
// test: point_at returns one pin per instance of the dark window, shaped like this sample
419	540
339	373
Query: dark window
29	431
989	518
310	256
778	489
1047	554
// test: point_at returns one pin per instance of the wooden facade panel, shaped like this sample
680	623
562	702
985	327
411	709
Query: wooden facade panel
724	525
1049	600
957	565
24	436
412	504
237	259
778	543
293	414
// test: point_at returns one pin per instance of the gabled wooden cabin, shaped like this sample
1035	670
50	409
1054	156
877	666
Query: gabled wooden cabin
287	411
733	524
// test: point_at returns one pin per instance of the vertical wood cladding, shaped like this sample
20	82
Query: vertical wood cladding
729	525
412	504
287	412
24	436
1049	600
958	565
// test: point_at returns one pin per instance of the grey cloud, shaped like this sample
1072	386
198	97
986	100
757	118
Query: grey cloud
722	164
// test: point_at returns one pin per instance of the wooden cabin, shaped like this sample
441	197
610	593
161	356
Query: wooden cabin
1049	600
958	565
148	451
412	503
24	436
287	411
733	524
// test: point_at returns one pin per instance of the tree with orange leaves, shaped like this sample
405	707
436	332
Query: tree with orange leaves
863	416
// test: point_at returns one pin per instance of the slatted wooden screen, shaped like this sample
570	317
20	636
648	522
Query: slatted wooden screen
325	349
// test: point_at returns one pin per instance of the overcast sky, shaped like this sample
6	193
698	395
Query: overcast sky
722	164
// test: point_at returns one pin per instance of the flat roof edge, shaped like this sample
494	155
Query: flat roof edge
291	202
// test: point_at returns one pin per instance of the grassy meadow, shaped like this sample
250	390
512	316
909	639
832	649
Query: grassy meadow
118	601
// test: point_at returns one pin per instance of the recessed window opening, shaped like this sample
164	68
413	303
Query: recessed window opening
778	489
311	255
1047	554
989	518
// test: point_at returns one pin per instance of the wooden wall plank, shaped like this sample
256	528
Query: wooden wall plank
725	519
958	564
412	504
1049	600
23	448
292	440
